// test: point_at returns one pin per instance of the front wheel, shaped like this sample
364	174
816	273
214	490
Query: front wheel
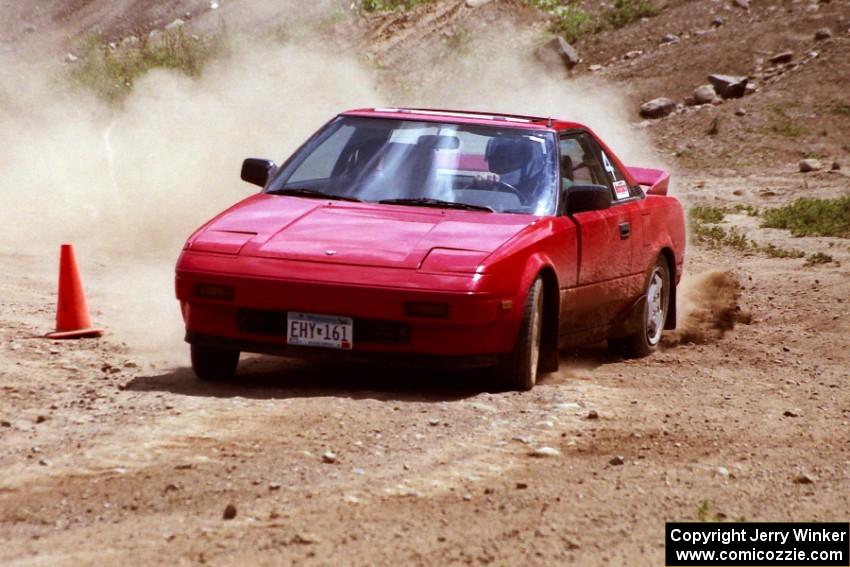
654	314
519	371
213	364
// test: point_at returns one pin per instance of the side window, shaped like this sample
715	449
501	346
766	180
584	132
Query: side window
615	178
579	165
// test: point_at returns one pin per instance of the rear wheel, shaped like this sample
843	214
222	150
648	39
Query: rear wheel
654	314
213	364
519	371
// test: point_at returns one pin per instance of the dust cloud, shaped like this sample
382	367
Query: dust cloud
708	307
127	185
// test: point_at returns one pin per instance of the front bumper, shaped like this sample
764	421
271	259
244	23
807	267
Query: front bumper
478	324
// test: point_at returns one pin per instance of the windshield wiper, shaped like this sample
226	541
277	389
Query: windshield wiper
303	192
429	202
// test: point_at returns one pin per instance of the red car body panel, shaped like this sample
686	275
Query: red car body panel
367	261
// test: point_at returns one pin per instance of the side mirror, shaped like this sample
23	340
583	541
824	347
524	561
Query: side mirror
581	198
257	171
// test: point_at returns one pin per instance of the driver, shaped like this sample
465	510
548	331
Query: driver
515	162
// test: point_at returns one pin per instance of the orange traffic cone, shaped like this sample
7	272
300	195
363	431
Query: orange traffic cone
72	313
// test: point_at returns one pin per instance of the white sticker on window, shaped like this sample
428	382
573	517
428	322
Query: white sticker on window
608	167
621	189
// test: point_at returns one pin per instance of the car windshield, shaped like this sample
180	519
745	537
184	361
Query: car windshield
489	168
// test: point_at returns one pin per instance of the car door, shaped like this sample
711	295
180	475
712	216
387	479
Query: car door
604	238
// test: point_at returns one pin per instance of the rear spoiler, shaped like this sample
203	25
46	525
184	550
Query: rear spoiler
657	180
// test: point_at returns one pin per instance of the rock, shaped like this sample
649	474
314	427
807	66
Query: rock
804	478
722	472
729	86
740	111
704	94
545	452
835	166
809	164
690	101
616	461
633	54
823	33
657	108
745	4
476	3
174	25
792	413
229	512
595	67
304	539
433	422
558	50
669	38
329	457
70	58
43	462
154	35
130	364
213	5
274	486
782	57
593	414
41	419
717	21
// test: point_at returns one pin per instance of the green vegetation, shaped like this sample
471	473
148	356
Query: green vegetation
750	210
571	21
841	108
706	214
705	513
782	124
110	71
812	217
389	5
773	251
819	258
703	224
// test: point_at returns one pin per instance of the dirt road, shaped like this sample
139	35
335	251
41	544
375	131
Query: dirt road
114	456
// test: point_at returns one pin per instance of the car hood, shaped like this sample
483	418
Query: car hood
273	226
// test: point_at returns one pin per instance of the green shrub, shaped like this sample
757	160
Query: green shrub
389	5
782	124
773	251
811	217
624	12
571	21
819	258
111	71
706	214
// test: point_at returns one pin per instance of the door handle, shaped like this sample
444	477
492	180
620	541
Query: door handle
625	230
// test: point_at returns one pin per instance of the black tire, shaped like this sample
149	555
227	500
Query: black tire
519	370
653	315
213	364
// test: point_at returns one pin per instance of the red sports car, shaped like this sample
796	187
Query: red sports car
441	237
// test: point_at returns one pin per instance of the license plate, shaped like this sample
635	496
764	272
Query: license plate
309	329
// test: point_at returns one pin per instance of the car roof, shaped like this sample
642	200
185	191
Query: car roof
467	117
